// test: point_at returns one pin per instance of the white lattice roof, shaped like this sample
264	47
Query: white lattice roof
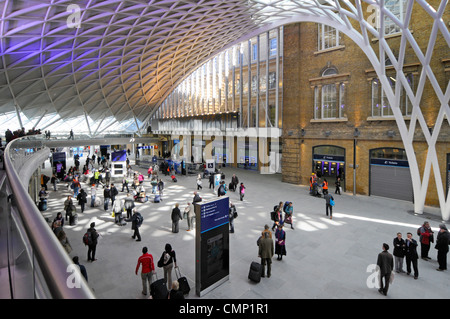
101	59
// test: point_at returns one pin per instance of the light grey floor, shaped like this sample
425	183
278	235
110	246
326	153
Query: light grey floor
325	258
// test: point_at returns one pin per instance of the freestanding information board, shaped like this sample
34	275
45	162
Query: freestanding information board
211	244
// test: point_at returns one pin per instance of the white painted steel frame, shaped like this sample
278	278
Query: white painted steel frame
127	56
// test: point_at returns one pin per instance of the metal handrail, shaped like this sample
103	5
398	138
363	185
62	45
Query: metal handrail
52	258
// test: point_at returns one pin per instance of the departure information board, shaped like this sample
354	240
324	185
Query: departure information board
214	214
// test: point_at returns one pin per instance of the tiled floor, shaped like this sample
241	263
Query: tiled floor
325	258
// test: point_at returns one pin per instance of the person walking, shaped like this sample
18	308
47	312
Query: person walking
288	215
329	204
167	261
241	191
425	239
280	242
54	180
338	186
385	263
411	255
277	216
125	183
148	268
176	217
199	182
399	253
92	243
325	187
266	252
232	214
129	205
211	181
161	188
114	192
442	242
190	216
70	210
106	197
82	199
93	194
136	222
234	182
117	209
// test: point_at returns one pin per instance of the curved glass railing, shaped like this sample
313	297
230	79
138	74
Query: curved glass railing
37	265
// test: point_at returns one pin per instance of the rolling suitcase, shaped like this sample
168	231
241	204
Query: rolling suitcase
182	281
158	289
255	272
157	199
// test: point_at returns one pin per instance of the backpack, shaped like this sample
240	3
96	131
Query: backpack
272	215
286	204
139	219
87	238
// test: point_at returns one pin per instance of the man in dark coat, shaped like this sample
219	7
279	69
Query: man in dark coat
92	246
176	217
442	242
411	255
266	251
136	222
385	262
234	182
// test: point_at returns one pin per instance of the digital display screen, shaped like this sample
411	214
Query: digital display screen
120	156
212	244
214	214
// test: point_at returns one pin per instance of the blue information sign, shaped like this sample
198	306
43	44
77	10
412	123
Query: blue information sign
214	214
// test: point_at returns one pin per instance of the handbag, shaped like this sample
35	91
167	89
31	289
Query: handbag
331	202
391	278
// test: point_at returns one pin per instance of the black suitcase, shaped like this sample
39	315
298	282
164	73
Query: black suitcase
255	272
158	289
182	281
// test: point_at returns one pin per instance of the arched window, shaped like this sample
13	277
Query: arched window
329	95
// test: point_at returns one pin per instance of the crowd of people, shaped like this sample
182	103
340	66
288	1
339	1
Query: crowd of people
12	135
406	251
273	240
96	176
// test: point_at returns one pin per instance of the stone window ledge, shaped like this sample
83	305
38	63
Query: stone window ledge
336	48
343	119
387	118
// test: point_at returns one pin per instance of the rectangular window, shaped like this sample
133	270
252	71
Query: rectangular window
328	37
317	108
398	9
272	80
341	99
273	47
254	52
329	101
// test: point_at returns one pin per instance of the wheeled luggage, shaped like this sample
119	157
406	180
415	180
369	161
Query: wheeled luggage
174	179
158	289
157	199
255	271
182	281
